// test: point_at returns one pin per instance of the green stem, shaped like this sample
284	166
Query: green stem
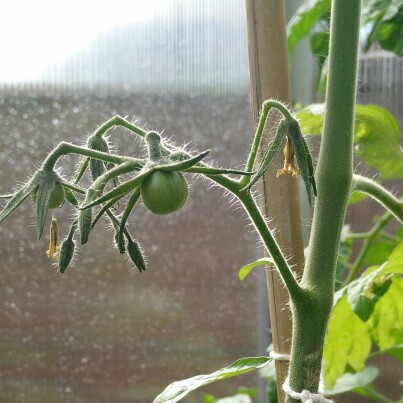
263	230
270	243
367	244
389	237
373	394
266	107
334	178
64	148
380	194
118	121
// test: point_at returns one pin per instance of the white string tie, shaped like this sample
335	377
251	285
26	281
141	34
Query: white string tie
305	396
279	356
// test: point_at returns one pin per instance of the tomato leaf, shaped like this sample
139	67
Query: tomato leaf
376	135
350	381
303	21
395	261
178	390
238	398
341	346
383	325
320	46
245	270
379	252
384	18
364	293
356	197
386	323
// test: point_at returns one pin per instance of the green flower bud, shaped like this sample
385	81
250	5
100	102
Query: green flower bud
135	254
97	167
67	249
120	242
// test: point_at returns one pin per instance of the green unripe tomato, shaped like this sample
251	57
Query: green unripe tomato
56	197
164	192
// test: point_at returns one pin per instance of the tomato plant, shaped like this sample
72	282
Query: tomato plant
158	178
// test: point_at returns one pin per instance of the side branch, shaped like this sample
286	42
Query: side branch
118	121
249	203
380	194
67	148
266	107
271	245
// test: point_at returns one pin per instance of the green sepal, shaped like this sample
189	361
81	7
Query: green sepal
69	196
119	191
46	184
96	168
310	168
81	169
115	180
135	253
217	171
119	240
127	167
17	198
129	207
303	157
104	208
270	154
182	165
72	186
67	249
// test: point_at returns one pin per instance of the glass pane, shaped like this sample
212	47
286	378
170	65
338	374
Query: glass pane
104	332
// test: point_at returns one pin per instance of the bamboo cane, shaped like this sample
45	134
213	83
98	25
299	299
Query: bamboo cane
269	78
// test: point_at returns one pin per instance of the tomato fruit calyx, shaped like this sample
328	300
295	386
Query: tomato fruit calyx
56	197
164	192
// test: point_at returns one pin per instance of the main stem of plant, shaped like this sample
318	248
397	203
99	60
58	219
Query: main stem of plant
311	309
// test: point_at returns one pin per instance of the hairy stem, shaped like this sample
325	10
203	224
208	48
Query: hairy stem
64	148
270	243
373	394
380	194
334	178
263	230
266	107
118	121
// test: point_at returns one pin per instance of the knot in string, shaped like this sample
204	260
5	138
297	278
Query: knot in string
305	396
